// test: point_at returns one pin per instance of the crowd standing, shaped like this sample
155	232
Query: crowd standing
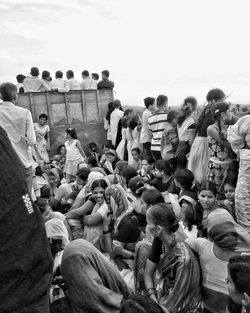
155	220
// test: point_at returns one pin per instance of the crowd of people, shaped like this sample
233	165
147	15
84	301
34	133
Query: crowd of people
33	83
155	220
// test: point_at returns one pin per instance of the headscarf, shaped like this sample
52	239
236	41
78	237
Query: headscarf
55	228
120	204
226	233
54	171
93	176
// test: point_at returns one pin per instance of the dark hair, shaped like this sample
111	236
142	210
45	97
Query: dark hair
215	94
172	115
161	100
128	172
186	113
184	177
59	74
208	185
34	71
140	304
106	73
20	78
152	197
162	214
43	115
107	145
163	165
137	186
149	101
85	73
191	100
110	110
124	122
99	183
136	149
45	74
59	148
117	104
83	173
92	161
231	180
133	122
148	158
127	111
192	215
92	146
70	74
8	91
239	271
38	171
72	132
95	76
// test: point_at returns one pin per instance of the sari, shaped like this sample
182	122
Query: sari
94	284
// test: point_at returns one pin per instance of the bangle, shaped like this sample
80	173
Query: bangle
106	231
151	291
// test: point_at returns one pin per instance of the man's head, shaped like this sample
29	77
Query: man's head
46	75
105	74
117	104
20	78
149	103
34	71
85	74
69	74
95	76
59	74
162	102
8	92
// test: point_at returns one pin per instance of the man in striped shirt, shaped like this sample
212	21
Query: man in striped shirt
156	124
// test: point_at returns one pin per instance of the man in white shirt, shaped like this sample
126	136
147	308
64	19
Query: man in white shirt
33	83
73	83
88	82
115	117
18	124
146	135
59	84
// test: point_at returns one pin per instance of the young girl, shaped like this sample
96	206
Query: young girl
147	171
184	180
121	150
136	158
74	154
229	192
42	131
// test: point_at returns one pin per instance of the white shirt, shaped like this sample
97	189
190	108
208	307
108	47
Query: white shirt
146	134
74	84
35	84
115	117
18	124
61	85
89	83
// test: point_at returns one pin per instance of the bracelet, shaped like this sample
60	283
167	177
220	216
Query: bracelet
106	231
151	291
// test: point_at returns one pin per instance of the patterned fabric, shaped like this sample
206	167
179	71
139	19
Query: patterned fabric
119	203
41	143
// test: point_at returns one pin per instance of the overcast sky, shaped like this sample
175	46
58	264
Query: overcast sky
173	47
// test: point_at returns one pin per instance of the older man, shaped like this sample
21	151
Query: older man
18	124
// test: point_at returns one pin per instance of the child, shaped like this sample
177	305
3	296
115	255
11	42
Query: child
74	153
147	172
136	163
105	149
164	180
229	191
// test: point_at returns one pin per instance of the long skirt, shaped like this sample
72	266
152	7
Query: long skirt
242	192
198	159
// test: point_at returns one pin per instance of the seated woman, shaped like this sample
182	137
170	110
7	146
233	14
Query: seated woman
93	165
94	285
226	239
110	164
238	284
179	287
140	304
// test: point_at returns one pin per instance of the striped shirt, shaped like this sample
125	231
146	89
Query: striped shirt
156	124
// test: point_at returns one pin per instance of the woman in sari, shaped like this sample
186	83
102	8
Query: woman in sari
239	138
226	239
179	290
94	285
42	146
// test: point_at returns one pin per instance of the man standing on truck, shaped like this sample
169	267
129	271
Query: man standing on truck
73	83
33	83
105	83
88	82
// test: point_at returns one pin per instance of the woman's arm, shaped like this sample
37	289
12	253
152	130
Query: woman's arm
212	132
118	248
48	140
93	220
78	144
82	211
149	278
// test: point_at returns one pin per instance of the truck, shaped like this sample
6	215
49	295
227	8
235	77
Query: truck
82	109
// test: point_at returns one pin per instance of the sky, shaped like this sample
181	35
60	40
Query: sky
178	48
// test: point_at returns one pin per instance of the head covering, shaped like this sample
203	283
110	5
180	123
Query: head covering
226	233
54	171
120	203
99	170
55	228
188	196
93	176
219	108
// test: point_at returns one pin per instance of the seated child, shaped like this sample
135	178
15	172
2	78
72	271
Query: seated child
147	171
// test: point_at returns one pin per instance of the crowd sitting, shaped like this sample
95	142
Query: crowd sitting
33	83
155	220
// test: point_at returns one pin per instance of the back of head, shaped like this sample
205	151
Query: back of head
140	304
149	101
85	73
70	74
161	101
20	78
127	112
83	173
152	197
133	122
117	104
105	73
92	161
59	74
191	100
239	271
216	95
163	165
46	75
95	76
8	92
184	177
34	71
172	115
128	172
219	108
162	214
72	132
137	186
